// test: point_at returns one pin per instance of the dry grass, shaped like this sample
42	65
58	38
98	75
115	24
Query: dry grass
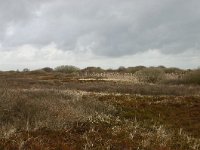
43	115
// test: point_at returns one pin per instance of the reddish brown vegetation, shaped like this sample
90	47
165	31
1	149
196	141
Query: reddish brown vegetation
48	110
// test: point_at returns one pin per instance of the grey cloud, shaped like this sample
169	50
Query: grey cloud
108	27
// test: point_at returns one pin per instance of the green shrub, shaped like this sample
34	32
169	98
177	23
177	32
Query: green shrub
150	75
172	70
93	70
135	69
26	70
192	77
67	69
121	69
47	69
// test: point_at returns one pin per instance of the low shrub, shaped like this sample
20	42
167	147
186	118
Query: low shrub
67	69
47	69
150	75
172	70
192	77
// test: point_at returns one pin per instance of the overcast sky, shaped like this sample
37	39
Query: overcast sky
105	33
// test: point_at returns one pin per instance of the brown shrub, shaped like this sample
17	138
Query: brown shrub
150	75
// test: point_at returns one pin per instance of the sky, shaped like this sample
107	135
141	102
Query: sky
105	33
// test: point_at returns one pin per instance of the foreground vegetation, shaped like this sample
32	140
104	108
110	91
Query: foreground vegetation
42	110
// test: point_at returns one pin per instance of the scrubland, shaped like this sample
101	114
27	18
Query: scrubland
55	110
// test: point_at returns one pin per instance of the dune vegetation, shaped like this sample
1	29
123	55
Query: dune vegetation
66	108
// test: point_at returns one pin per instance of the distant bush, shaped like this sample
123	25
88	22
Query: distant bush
172	70
192	77
135	69
47	69
26	70
110	70
150	75
121	69
161	67
188	77
67	69
93	69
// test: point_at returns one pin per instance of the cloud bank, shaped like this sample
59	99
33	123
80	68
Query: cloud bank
103	33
